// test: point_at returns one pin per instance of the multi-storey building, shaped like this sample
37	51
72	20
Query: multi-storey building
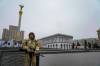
57	41
12	34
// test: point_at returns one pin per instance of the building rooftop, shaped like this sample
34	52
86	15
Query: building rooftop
58	34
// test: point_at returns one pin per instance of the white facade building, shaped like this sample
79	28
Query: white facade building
57	41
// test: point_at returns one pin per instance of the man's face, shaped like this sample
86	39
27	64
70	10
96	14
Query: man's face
31	37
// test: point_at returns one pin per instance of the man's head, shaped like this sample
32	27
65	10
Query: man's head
31	36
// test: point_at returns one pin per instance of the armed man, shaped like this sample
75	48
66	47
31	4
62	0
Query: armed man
31	46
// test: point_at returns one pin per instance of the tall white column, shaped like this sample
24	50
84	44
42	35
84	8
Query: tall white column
20	16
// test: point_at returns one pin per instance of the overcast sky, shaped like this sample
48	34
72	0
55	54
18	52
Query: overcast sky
79	18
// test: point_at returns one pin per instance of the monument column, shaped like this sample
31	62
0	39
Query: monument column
20	16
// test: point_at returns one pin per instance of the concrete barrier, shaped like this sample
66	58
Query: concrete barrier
11	58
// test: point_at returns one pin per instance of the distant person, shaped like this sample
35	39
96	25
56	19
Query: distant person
68	46
73	45
89	45
31	46
61	46
78	45
85	44
48	46
64	46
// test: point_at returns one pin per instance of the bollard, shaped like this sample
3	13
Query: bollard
1	53
37	59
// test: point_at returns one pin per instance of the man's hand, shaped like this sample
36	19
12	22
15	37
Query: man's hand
36	52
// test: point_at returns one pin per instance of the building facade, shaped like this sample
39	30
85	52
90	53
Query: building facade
5	34
57	41
89	40
12	34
